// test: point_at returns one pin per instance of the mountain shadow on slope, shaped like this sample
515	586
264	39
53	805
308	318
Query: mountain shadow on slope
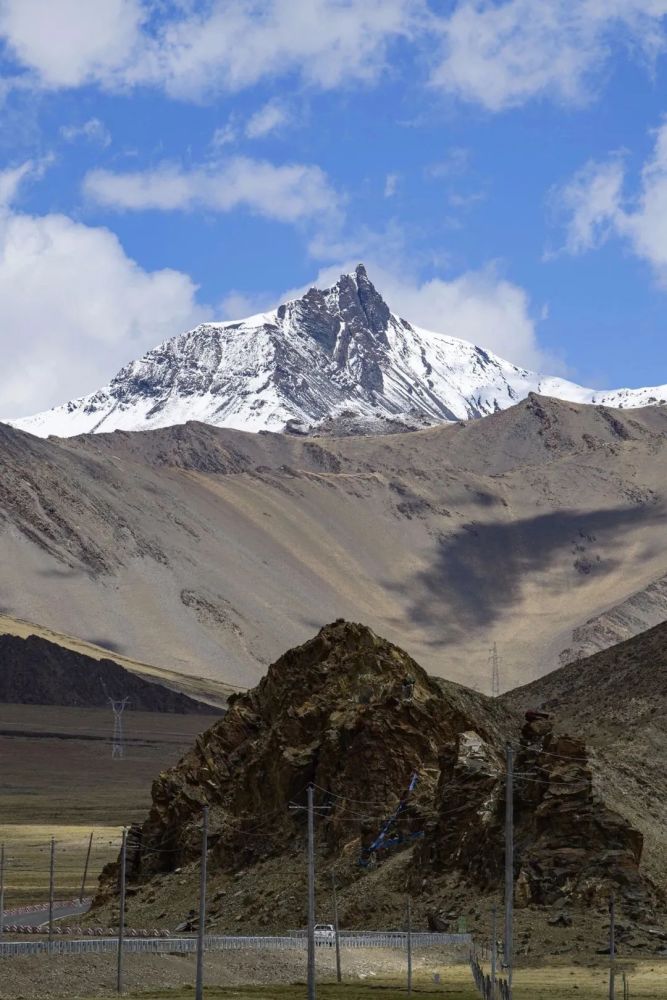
468	563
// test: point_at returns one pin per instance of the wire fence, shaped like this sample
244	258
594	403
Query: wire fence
187	945
486	986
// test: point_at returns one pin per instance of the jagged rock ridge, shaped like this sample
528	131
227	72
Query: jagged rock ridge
337	352
335	712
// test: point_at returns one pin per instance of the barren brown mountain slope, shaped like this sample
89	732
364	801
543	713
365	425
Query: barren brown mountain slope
209	551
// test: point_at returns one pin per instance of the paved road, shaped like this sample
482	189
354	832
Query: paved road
40	918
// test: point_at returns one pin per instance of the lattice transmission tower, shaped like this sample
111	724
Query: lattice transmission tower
118	707
494	663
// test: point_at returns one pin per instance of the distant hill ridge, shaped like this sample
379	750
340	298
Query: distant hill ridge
34	671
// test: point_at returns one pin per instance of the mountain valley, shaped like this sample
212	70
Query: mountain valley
206	551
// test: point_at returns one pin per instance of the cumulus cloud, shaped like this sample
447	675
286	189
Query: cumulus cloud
194	50
75	307
502	54
596	207
288	193
92	130
66	43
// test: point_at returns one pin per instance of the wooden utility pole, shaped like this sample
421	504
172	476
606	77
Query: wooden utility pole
312	992
409	947
52	866
509	866
85	868
494	948
339	977
121	917
2	890
612	948
201	929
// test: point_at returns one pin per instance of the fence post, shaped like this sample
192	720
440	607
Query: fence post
51	891
121	917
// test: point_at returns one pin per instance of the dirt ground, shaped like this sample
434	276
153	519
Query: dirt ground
264	976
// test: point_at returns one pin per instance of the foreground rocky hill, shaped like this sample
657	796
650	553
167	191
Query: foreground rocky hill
409	779
208	551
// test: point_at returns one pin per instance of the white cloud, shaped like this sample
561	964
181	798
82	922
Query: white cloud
273	115
499	53
74	308
67	43
93	130
502	54
288	193
225	135
596	207
455	162
591	200
12	178
391	185
479	306
193	50
10	182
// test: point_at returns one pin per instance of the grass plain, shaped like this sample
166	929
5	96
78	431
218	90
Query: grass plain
58	780
648	982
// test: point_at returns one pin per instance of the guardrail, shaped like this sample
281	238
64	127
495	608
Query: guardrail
59	904
348	939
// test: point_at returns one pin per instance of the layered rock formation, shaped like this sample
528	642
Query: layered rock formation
333	712
388	748
571	849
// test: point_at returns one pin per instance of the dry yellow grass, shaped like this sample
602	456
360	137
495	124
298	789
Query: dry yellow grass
58	779
28	859
648	981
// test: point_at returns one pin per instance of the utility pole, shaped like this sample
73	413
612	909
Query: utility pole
339	977
312	992
409	948
494	663
201	929
509	865
612	948
494	949
121	918
2	891
52	866
118	707
85	868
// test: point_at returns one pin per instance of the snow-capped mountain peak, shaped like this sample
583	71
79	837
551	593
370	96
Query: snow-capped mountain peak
333	351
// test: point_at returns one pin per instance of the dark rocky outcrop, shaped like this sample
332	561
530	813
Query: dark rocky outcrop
357	717
331	712
570	847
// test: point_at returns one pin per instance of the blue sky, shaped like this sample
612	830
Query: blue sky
501	167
